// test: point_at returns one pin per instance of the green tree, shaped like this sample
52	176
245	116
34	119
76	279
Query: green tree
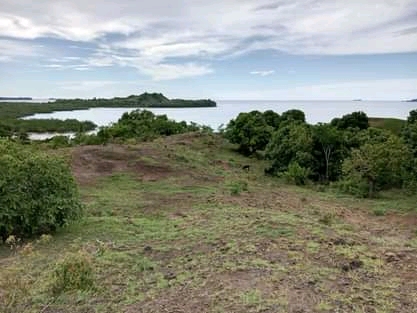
292	142
357	120
293	116
328	141
250	131
272	118
412	117
378	164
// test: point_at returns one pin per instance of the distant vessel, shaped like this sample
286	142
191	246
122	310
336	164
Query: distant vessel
357	100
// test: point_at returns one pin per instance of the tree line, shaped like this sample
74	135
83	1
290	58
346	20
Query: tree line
347	152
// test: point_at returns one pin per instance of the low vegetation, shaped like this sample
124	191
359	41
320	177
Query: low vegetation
177	218
10	113
38	193
393	124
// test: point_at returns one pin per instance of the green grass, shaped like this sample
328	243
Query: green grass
392	124
184	242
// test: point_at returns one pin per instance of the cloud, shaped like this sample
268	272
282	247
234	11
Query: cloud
263	73
181	38
14	49
87	85
382	89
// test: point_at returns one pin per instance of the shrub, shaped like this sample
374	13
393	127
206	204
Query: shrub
237	188
354	185
74	272
60	142
37	192
296	174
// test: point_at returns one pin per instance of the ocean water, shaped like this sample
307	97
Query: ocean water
316	111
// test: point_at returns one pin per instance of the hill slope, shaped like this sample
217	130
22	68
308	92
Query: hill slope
176	225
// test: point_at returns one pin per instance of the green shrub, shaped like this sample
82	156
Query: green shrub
355	186
380	211
37	192
237	188
74	272
143	125
296	174
60	142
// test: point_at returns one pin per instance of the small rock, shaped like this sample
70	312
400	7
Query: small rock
147	249
352	265
339	242
391	257
170	276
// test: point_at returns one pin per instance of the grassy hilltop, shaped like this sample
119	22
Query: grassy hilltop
176	225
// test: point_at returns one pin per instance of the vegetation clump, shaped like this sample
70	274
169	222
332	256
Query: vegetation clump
38	193
74	272
362	160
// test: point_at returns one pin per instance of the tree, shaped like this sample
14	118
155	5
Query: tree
330	140
412	117
250	131
294	116
293	142
272	119
379	164
409	132
357	120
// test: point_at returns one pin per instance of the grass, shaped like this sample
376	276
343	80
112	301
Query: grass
185	242
392	124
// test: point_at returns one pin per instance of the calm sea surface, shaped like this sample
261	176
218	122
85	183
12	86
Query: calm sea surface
316	111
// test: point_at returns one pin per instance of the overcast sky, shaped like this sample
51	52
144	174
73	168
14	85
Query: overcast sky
220	49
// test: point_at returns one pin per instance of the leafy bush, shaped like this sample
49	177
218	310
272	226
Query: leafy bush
144	125
59	142
74	272
354	185
250	131
380	164
296	174
37	192
237	188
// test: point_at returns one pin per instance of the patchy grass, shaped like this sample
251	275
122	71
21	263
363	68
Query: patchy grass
392	124
184	241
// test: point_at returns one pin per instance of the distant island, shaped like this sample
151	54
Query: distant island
11	113
148	100
357	100
15	98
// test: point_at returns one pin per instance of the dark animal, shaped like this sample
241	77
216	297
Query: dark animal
246	168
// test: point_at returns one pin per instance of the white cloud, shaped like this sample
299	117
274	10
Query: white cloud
263	73
149	34
87	85
13	49
383	89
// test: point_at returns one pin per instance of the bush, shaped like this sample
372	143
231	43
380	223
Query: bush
145	126
37	192
74	272
355	186
59	142
237	188
296	174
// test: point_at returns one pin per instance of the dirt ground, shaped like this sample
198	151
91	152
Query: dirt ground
187	230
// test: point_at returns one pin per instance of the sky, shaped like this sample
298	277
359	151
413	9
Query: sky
218	49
